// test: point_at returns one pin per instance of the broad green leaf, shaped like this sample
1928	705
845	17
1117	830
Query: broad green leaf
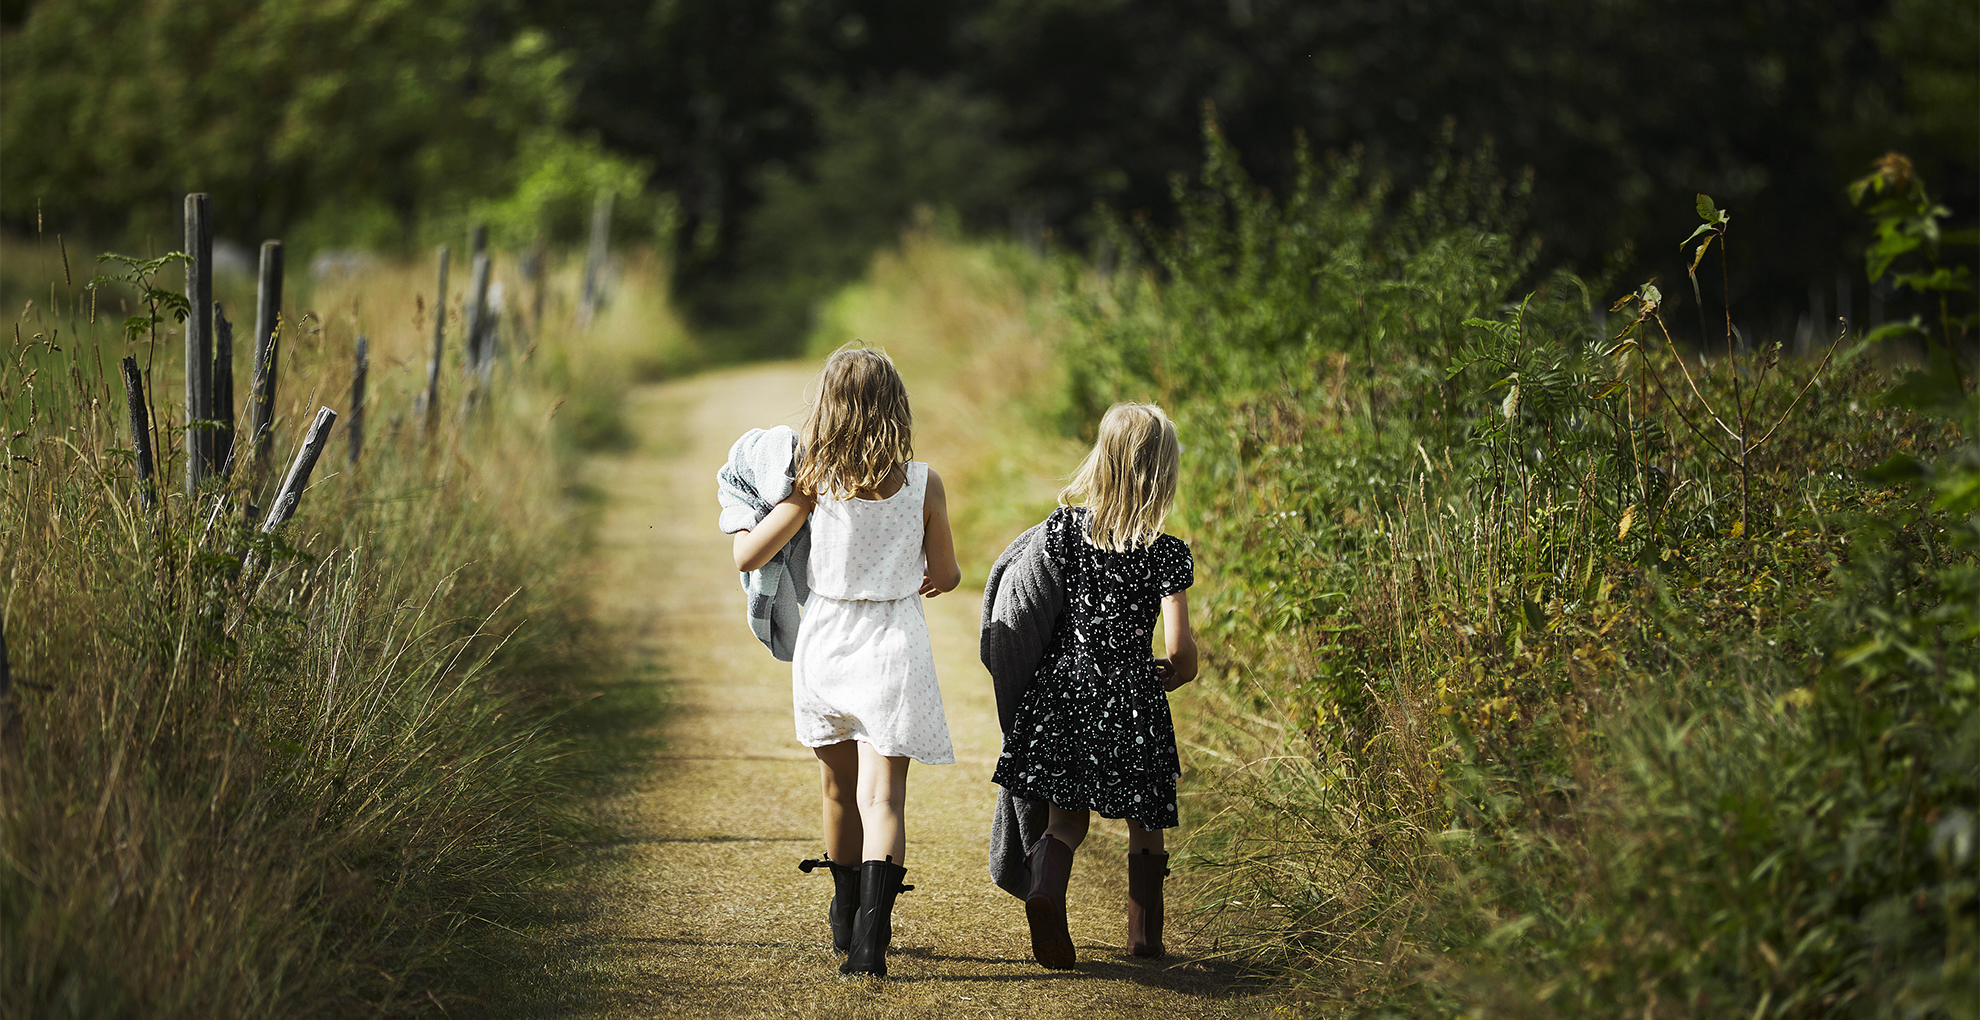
1703	246
1959	492
1947	278
1902	327
1706	210
1901	467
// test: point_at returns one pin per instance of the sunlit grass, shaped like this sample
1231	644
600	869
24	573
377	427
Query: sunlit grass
326	788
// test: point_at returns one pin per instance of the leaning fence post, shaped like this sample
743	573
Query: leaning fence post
140	430
199	340
293	484
267	317
223	392
432	400
297	479
594	258
356	428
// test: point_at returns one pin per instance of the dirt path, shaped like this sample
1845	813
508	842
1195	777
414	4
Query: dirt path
713	918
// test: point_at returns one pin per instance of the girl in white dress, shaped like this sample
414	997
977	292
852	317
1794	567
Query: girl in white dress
863	673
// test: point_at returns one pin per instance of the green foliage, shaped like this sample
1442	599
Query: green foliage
1571	676
1907	250
137	273
1269	327
340	123
886	155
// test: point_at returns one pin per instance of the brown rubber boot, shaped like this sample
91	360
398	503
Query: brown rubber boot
1045	909
1146	870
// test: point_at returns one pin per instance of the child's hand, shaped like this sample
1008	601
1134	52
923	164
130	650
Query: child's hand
929	589
1165	671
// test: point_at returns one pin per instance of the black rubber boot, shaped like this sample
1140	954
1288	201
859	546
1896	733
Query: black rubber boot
1045	908
1146	870
845	899
873	927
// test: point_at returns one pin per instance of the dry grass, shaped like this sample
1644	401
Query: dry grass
324	793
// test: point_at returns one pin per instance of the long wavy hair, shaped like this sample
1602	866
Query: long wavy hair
1128	482
859	428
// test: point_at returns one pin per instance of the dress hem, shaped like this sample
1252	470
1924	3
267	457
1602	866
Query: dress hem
1104	811
884	752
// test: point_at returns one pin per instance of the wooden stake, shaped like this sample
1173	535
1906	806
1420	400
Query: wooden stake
199	340
223	391
356	428
594	258
140	430
9	723
297	479
432	399
267	319
477	309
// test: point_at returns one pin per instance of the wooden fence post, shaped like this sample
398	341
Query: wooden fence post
297	479
477	307
140	430
594	258
199	340
223	391
293	484
9	722
432	399
267	319
356	428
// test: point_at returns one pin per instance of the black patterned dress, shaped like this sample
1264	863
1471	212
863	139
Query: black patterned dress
1092	729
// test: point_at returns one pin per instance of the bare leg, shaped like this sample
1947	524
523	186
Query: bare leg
838	765
1068	827
882	798
1140	839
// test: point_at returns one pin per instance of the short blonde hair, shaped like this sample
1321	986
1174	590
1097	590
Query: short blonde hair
859	428
1128	482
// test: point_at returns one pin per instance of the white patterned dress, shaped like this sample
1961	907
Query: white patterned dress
863	668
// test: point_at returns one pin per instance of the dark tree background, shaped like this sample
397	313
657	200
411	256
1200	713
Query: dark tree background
799	135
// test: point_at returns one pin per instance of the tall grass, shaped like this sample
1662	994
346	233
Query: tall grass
1557	695
1529	695
324	788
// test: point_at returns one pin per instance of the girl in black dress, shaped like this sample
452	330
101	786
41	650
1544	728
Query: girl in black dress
1092	730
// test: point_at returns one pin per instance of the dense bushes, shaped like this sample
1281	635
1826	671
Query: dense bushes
1576	671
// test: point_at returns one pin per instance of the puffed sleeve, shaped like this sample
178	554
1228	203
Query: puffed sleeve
1175	567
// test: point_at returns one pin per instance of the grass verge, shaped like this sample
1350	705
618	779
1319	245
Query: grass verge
330	785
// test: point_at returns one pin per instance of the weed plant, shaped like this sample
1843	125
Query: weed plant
325	784
1571	663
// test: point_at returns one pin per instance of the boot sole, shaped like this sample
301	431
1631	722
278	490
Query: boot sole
1051	942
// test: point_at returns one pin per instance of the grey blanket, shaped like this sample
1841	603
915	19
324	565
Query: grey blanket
761	472
1022	602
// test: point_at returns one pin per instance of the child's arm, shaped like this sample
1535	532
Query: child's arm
938	547
756	546
1180	667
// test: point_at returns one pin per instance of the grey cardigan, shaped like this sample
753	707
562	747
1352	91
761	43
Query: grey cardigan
760	473
1022	603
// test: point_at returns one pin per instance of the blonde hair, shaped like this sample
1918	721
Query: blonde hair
859	428
1128	482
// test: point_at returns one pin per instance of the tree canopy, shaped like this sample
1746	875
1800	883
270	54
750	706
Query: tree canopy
796	135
